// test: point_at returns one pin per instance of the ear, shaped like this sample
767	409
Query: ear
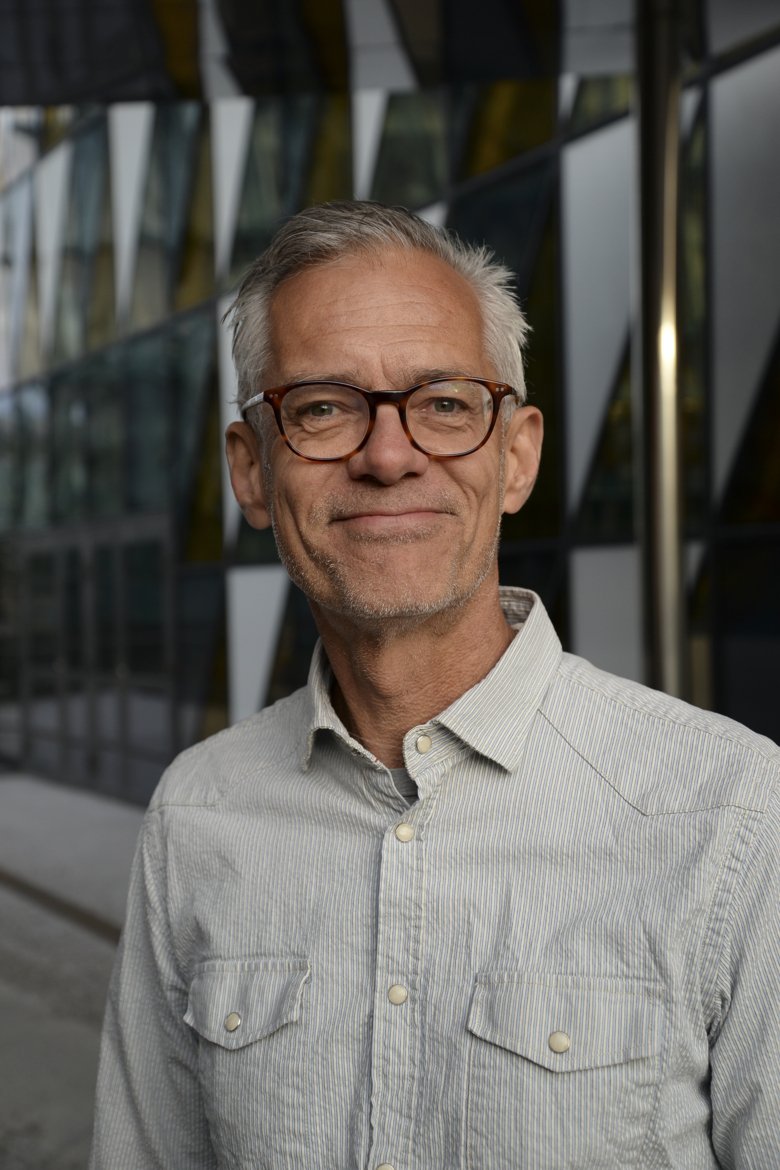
245	460
523	449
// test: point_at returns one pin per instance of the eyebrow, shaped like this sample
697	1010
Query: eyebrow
410	377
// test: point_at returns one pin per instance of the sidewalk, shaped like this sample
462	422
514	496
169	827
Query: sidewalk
64	862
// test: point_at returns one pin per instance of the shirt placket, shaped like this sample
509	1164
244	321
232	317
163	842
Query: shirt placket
398	1010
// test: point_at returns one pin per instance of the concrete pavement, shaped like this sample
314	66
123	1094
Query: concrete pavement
64	862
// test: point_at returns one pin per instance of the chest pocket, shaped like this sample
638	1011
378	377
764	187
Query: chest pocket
563	1071
252	1056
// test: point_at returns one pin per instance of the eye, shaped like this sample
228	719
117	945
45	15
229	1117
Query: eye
447	405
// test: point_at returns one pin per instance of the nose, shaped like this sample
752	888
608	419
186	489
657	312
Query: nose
388	455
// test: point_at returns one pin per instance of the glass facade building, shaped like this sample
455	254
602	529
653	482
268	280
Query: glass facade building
138	612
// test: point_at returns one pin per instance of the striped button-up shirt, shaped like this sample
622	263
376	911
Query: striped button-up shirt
562	956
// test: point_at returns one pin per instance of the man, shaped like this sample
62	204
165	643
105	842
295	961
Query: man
464	901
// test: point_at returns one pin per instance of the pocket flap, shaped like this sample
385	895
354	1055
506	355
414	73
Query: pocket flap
235	1002
566	1023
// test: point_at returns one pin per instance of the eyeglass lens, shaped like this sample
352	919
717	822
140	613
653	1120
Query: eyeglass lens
327	421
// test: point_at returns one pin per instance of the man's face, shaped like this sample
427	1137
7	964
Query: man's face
390	534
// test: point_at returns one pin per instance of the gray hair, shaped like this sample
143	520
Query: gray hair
329	231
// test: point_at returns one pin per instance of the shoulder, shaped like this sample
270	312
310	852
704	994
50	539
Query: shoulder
661	754
209	771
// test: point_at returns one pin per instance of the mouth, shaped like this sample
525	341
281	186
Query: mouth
384	520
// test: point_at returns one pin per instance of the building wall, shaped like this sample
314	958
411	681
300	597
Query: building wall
137	611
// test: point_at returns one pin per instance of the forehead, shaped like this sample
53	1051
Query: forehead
377	310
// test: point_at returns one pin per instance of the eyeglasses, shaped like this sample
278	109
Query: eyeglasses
327	422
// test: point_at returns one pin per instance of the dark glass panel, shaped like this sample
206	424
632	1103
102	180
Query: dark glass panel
746	621
34	415
29	361
70	446
731	25
41	590
200	662
282	145
73	606
753	492
510	217
541	516
105	568
142	778
10	461
692	320
504	40
195	270
506	118
203	536
149	404
177	26
85	305
599	98
191	377
422	30
411	167
328	173
107	433
607	509
173	166
541	568
149	719
278	47
143	572
255	546
700	637
297	637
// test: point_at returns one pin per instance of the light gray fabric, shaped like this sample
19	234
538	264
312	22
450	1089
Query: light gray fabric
589	858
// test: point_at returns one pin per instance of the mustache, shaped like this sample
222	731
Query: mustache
342	507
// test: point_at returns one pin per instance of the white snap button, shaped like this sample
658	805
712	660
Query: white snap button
424	744
398	994
232	1022
404	832
559	1042
385	1166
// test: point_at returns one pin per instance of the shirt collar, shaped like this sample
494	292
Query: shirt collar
492	716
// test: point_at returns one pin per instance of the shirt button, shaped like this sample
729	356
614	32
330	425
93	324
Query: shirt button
424	744
559	1042
404	832
385	1166
398	994
232	1022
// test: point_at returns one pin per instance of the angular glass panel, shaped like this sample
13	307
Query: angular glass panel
85	305
298	153
506	118
195	271
422	31
606	513
752	495
174	165
144	607
601	98
34	414
746	621
411	166
733	24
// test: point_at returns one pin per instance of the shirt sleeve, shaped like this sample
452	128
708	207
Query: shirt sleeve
745	1070
149	1114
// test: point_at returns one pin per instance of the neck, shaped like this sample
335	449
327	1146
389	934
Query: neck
392	677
